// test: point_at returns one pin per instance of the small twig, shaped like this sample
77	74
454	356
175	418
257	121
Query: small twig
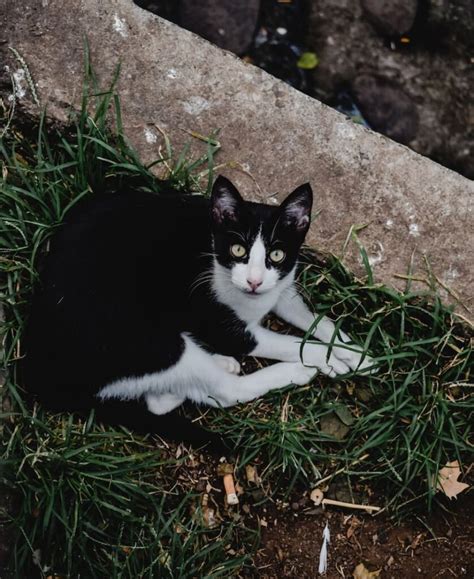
426	281
240	167
350	505
452	293
464	319
411	278
284	410
339	471
209	140
164	160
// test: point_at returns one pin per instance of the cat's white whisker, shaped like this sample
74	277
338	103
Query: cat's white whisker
239	235
204	278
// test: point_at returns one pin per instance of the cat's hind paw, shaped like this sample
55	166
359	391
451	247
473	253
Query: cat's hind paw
163	403
333	367
228	363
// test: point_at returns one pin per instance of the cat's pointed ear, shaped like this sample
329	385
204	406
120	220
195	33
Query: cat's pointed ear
225	201
296	208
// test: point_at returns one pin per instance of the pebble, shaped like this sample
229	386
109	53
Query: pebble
386	107
391	17
228	24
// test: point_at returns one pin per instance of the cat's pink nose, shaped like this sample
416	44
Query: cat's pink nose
254	284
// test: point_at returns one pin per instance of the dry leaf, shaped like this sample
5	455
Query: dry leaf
251	473
209	517
361	572
344	414
448	480
416	541
308	61
239	489
354	525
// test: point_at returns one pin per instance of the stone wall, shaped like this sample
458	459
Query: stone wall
178	82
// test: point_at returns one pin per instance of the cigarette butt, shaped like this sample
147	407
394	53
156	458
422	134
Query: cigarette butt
231	495
317	496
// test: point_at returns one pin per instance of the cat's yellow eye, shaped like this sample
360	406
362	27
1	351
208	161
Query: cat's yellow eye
238	250
277	255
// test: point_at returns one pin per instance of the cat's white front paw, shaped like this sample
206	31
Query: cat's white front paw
315	355
228	363
300	374
354	360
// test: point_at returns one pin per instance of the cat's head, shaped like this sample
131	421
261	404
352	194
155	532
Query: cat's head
258	244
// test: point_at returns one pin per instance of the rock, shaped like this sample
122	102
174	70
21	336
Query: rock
168	9
432	68
386	107
332	426
453	19
391	17
230	24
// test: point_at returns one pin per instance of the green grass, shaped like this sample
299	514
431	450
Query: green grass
103	502
411	417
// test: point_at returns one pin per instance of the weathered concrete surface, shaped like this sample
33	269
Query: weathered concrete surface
179	82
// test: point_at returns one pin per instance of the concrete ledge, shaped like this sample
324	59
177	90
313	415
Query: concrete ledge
173	79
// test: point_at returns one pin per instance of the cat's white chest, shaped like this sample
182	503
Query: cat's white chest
249	308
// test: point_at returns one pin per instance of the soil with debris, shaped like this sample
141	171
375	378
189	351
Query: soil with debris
439	546
435	546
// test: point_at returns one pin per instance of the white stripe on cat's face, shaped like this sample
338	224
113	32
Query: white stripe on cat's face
254	277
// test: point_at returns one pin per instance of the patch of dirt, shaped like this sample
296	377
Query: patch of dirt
435	546
442	546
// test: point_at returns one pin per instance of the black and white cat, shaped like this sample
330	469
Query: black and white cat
146	300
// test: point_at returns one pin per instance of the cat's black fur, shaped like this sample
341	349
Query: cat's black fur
122	282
